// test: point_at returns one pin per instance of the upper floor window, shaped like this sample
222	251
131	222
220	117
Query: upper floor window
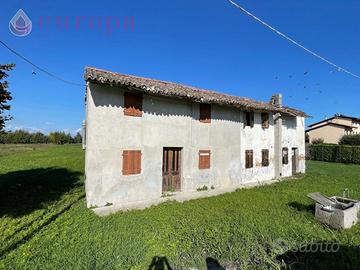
264	120
133	104
249	119
205	113
285	155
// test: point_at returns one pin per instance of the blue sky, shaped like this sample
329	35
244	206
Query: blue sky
208	44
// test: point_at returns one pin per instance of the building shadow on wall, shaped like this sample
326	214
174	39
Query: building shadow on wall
162	263
321	256
107	96
22	192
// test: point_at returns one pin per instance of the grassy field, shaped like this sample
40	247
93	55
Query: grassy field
44	223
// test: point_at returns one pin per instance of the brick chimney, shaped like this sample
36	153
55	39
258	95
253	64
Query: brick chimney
276	100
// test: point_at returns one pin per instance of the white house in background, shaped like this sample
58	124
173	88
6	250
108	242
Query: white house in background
145	137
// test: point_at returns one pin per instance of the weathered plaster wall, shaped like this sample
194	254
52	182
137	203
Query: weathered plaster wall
256	138
293	136
167	122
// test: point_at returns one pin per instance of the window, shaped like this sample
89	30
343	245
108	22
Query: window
264	120
131	162
285	155
133	104
265	157
248	158
205	113
204	159
249	119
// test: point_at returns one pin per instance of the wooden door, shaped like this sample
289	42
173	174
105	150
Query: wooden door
171	169
294	160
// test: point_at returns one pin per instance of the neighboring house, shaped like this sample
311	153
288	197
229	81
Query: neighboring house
145	137
332	129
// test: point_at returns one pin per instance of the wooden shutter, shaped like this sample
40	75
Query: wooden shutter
249	119
126	163
205	113
131	162
137	162
248	158
285	156
264	120
133	104
204	159
265	157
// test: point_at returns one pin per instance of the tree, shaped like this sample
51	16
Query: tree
5	94
78	138
350	139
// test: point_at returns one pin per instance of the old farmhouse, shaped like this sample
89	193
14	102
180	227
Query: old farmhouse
145	137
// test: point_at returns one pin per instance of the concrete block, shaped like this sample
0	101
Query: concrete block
338	218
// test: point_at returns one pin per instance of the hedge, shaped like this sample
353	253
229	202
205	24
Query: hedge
335	153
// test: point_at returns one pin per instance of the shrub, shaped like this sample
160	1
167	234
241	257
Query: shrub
335	153
350	140
317	141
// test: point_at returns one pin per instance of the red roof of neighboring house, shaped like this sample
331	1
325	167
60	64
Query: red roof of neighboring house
164	88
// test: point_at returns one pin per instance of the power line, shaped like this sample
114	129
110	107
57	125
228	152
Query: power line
339	68
40	68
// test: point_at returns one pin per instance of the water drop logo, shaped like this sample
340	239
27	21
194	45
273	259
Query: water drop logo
20	25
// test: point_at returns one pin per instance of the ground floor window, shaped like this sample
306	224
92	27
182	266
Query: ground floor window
249	159
131	162
204	159
285	155
265	157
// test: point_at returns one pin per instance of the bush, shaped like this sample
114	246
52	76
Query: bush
335	153
350	140
317	141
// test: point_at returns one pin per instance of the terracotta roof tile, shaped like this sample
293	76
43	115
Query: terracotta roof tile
164	88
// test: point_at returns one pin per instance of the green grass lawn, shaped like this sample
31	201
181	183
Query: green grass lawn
44	223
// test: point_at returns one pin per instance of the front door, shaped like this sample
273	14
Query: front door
294	160
171	169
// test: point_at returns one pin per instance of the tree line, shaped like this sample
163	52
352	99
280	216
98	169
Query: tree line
25	137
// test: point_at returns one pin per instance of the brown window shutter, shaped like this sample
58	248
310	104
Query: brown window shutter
204	159
133	104
285	155
265	157
131	162
137	162
205	113
252	119
248	158
126	163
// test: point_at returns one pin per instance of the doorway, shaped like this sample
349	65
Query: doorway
171	169
294	157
